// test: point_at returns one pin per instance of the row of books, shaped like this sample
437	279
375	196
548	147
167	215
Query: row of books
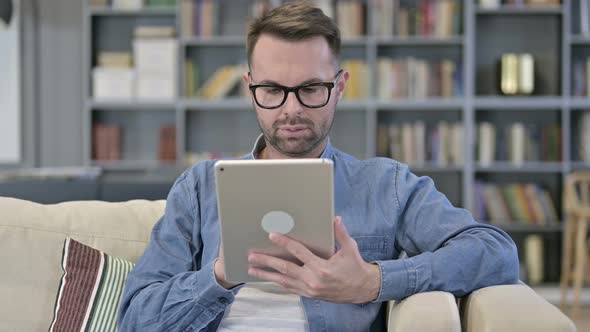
428	18
581	77
520	203
350	15
415	78
494	4
132	4
417	143
107	142
518	143
150	72
202	18
225	79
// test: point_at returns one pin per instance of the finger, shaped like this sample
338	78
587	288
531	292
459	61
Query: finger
282	266
341	234
295	248
275	277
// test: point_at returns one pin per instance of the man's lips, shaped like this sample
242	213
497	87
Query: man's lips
292	129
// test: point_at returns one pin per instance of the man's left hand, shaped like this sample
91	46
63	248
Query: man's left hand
344	278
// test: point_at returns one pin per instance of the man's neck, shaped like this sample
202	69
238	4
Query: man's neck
269	153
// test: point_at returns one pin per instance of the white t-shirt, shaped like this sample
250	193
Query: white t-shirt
264	307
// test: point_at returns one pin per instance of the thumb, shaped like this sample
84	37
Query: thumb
341	234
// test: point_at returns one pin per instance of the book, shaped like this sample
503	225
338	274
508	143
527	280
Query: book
534	259
486	143
222	81
158	32
509	74
357	87
115	59
517	144
526	74
167	143
383	141
543	3
106	142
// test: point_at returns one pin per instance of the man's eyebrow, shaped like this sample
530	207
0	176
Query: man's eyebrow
311	80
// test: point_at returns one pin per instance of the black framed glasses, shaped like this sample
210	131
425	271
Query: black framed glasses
311	95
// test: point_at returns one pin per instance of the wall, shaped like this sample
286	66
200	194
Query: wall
52	82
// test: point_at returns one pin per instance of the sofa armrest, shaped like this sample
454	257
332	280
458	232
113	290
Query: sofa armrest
429	311
511	308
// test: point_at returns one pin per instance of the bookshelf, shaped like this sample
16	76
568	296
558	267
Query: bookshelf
474	41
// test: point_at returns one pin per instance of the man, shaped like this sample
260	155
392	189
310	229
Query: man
382	208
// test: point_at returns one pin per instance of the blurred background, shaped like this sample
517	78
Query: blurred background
113	99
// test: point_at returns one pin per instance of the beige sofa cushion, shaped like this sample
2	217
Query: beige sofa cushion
31	243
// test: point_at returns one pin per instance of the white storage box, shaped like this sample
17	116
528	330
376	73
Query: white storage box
154	87
156	56
113	83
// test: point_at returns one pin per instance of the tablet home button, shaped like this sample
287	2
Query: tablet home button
278	222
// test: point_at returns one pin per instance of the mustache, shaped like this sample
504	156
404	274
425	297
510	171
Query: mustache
292	122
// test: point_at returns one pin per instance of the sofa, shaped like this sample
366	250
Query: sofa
31	245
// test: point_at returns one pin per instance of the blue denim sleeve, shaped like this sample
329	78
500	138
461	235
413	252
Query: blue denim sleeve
166	290
447	249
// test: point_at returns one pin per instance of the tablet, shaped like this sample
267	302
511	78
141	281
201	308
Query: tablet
289	196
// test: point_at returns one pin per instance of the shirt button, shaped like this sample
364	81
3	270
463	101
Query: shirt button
222	300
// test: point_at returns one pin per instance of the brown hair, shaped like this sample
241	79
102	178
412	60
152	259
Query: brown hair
294	20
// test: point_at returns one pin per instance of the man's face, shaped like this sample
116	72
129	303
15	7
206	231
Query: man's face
294	130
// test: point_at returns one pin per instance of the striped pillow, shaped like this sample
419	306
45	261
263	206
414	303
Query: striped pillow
90	289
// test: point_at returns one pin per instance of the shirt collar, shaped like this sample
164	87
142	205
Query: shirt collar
261	144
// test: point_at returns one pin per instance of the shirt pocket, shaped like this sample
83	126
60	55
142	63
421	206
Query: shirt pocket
372	248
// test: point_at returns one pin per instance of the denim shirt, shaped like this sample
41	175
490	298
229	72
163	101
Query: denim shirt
384	207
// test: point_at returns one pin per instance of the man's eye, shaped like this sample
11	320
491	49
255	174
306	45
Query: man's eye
274	91
310	89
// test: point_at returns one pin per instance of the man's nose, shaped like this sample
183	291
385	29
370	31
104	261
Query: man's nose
292	105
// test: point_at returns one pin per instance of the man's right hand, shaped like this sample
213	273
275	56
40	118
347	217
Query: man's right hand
220	272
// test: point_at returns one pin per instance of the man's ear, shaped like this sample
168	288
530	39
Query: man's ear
341	84
246	80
